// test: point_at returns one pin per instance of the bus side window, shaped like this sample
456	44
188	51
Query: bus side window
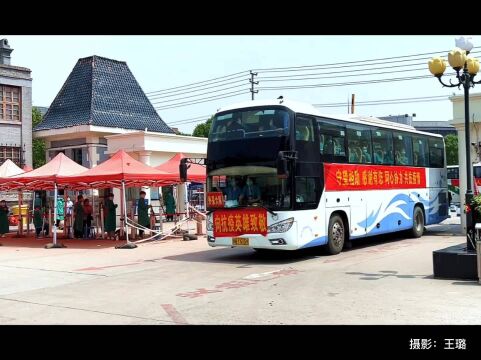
436	153
304	130
402	149
420	151
359	144
307	196
331	139
382	147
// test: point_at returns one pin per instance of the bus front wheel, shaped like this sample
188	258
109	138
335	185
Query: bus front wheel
418	223
336	235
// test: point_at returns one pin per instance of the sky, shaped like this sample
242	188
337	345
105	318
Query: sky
162	62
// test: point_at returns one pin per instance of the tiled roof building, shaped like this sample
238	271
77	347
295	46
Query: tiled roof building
102	92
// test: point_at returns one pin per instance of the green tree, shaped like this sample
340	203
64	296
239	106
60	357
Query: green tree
202	130
451	142
38	145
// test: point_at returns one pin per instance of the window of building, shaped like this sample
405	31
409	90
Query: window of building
382	147
420	151
10	103
403	154
10	152
359	145
77	156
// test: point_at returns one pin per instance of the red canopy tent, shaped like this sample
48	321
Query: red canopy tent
121	170
45	177
196	172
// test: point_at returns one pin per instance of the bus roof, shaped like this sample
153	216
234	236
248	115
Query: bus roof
306	108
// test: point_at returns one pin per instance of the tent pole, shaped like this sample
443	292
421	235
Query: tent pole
54	223
128	244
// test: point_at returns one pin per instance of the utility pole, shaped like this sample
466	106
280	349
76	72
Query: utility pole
251	80
352	103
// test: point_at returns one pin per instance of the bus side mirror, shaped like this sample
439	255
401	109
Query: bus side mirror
282	166
183	170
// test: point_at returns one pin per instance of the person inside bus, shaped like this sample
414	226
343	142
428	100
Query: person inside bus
378	156
388	158
415	159
233	192
234	124
266	123
251	192
355	154
366	156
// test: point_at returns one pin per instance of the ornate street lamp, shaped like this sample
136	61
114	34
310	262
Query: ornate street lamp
466	68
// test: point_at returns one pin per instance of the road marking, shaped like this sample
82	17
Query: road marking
174	314
93	268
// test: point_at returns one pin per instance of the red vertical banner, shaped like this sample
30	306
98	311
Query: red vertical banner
215	200
239	222
339	177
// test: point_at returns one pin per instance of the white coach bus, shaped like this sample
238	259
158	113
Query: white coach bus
281	175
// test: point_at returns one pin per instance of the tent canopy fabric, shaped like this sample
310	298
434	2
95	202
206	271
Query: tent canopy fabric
44	177
9	168
120	167
195	172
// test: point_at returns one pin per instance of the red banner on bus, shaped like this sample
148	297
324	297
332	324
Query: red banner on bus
239	222
341	177
215	200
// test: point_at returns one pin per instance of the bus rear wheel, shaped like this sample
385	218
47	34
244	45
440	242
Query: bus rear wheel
418	223
336	235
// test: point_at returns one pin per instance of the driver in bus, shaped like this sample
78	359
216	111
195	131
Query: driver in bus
233	193
251	192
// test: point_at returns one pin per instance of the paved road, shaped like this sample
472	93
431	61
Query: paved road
385	280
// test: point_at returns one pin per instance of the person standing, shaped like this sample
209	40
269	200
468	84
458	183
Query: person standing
4	227
143	213
169	206
87	208
38	221
110	216
78	225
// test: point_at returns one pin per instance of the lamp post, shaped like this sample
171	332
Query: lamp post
466	68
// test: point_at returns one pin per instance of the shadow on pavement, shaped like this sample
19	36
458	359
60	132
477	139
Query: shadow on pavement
247	256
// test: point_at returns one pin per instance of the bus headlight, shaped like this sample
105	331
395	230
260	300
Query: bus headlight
281	226
210	224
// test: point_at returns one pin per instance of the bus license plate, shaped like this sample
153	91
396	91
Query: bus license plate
240	241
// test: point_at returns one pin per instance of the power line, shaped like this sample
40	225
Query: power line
364	82
446	97
178	92
200	88
187	103
200	94
245	72
197	118
297	68
358	63
395	101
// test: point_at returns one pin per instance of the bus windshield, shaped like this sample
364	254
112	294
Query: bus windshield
251	186
249	124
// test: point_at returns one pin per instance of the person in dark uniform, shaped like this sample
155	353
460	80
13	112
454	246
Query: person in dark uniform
78	225
143	213
4	227
110	216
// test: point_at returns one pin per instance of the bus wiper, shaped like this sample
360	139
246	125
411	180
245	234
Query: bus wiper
245	207
259	206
